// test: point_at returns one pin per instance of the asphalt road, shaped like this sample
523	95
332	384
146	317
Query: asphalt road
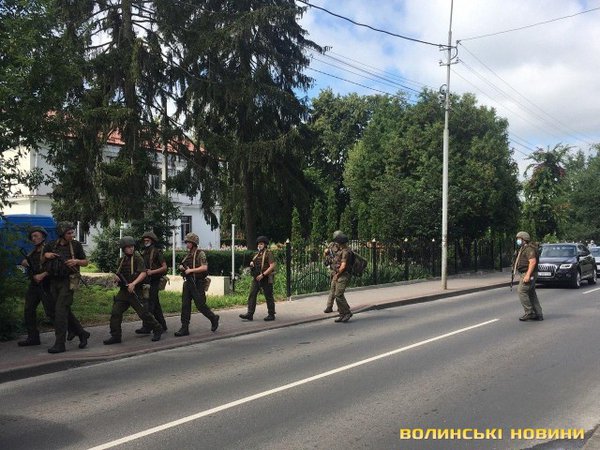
460	363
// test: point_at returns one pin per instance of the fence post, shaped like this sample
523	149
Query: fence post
476	255
433	257
374	259
288	269
405	252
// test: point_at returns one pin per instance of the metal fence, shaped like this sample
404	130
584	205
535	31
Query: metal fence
391	262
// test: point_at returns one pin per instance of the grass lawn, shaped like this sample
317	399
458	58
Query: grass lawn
92	305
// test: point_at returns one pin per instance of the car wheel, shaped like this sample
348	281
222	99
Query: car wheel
576	283
594	278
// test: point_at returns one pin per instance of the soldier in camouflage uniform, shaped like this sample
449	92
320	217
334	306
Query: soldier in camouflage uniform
262	268
62	259
156	267
341	278
38	290
194	268
330	257
526	266
130	273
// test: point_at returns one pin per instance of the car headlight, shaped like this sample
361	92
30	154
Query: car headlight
566	266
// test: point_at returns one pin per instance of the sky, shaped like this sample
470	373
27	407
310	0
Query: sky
543	79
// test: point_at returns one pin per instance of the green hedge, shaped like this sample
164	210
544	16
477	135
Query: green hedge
219	261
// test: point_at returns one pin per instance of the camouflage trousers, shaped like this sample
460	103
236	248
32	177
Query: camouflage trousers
528	296
339	286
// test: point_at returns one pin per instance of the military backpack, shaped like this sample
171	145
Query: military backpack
358	264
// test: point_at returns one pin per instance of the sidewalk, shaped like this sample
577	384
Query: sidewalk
22	362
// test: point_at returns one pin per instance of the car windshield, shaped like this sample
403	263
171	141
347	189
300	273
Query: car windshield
595	251
558	251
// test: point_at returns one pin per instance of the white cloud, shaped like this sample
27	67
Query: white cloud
555	66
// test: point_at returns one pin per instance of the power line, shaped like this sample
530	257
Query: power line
557	121
354	66
502	93
353	82
370	27
390	74
378	79
529	26
521	151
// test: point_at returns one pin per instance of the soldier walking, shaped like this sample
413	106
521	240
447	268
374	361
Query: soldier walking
156	267
194	269
130	273
330	258
526	265
262	268
62	259
38	290
341	277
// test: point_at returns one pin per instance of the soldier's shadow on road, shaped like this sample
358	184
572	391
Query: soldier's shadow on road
25	432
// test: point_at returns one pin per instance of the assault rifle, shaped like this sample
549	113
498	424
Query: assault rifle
512	279
30	275
29	268
124	284
189	278
73	270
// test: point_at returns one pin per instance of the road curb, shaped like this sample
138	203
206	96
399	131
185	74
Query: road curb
28	371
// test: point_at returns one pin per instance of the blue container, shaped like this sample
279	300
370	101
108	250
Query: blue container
13	232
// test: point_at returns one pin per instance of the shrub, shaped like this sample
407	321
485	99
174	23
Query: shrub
13	285
106	253
219	261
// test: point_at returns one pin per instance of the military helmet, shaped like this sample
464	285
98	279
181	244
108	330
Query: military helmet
524	235
336	233
150	235
341	238
262	239
32	230
192	237
126	241
63	227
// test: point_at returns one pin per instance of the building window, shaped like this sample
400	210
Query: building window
81	236
186	226
155	182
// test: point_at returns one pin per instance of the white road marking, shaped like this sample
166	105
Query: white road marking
285	387
591	290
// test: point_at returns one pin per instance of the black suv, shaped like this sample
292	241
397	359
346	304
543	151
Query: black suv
566	263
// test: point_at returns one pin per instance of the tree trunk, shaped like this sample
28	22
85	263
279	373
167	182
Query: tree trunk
131	128
249	209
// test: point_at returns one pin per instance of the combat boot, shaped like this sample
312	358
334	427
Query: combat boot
143	330
347	317
328	310
214	323
526	317
70	336
83	339
269	318
112	340
57	348
246	316
156	334
30	340
183	331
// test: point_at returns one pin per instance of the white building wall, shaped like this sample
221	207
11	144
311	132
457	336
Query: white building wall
38	201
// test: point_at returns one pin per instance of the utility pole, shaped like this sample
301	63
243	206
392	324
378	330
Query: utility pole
444	268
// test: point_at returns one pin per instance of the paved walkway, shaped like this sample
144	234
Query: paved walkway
21	362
